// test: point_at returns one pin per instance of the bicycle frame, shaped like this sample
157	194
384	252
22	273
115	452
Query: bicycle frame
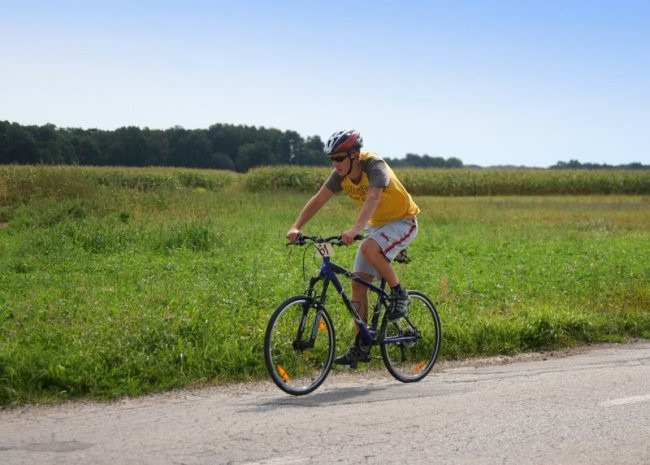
328	273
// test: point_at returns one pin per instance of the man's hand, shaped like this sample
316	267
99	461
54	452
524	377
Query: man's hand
293	234
349	236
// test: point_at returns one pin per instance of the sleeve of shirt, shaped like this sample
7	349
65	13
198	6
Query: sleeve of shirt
378	175
333	182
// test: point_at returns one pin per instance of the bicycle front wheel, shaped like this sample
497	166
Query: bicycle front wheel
412	344
299	345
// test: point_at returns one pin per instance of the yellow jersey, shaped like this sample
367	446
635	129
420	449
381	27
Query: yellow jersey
395	203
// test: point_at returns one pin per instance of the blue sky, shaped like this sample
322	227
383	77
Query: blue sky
497	82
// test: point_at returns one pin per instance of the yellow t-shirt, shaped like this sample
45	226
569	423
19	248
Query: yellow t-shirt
395	203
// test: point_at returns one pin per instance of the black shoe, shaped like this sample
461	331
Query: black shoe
355	354
399	302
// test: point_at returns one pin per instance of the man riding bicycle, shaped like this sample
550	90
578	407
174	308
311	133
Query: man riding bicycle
387	215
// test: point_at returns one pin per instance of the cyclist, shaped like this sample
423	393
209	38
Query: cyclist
387	214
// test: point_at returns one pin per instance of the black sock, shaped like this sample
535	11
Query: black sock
397	288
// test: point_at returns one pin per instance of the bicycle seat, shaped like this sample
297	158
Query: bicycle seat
402	257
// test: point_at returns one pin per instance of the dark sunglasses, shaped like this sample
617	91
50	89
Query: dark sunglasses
339	159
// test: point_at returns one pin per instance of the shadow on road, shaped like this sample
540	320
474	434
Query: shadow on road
339	395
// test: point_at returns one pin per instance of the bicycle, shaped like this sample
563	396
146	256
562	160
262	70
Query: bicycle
299	344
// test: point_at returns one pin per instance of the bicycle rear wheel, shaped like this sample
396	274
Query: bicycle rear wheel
299	345
417	337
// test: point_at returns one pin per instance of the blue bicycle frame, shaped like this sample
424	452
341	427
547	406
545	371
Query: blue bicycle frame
328	273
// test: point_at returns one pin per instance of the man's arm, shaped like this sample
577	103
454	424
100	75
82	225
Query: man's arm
312	207
373	197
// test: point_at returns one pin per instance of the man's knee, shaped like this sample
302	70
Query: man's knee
371	250
376	257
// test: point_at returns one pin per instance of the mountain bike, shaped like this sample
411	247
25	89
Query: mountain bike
300	344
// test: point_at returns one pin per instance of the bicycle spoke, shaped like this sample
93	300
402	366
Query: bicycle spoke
417	338
299	346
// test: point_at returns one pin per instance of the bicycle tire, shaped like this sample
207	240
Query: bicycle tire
295	365
411	361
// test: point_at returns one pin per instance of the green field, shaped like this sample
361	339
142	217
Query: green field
121	282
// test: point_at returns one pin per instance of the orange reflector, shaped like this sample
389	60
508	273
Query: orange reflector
420	366
283	373
321	326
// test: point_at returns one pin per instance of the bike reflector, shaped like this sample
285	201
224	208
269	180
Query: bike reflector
420	366
284	374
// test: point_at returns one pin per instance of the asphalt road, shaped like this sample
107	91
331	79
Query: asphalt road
591	407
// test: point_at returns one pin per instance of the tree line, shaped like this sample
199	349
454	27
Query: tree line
221	146
576	165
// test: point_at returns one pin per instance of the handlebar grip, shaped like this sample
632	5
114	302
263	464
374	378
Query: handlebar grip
302	239
358	237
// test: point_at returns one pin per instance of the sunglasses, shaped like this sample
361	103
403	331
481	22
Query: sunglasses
339	159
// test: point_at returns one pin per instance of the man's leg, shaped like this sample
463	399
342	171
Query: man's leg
358	352
375	256
360	296
399	296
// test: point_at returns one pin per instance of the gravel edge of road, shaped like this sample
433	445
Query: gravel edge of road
335	377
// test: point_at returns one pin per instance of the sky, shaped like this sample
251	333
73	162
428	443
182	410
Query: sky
491	82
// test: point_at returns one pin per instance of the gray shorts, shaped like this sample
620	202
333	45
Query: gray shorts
392	238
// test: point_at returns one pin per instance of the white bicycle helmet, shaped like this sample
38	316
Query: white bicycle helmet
343	141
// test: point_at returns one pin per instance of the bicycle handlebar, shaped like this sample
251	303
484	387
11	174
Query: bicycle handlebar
334	240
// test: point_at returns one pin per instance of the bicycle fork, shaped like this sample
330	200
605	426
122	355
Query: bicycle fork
313	302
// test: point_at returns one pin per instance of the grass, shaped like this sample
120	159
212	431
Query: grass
123	287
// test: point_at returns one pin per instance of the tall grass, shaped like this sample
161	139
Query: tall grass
121	287
21	183
472	182
463	182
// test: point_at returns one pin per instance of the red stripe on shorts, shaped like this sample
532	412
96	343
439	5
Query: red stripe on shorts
408	234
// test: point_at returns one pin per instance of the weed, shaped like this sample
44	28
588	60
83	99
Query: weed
132	281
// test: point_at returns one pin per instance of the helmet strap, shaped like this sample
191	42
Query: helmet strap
350	157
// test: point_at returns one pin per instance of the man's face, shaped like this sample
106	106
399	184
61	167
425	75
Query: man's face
341	162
